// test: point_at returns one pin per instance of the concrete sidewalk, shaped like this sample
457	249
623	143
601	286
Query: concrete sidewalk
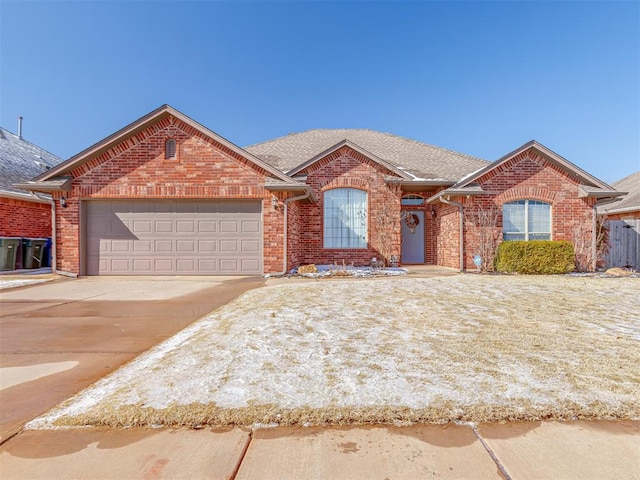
547	450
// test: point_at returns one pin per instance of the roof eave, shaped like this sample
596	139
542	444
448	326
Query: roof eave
60	184
26	197
622	210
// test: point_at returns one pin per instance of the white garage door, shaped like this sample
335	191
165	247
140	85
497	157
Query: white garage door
173	237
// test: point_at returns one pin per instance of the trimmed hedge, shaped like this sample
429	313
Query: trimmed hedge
535	257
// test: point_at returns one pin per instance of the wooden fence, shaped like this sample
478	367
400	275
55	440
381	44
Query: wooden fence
624	244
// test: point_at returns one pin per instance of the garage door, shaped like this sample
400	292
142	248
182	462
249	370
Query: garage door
168	237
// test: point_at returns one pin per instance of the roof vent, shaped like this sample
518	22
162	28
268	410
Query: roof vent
170	149
20	128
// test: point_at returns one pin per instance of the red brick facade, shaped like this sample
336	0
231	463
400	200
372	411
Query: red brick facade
137	169
19	218
205	167
344	168
529	176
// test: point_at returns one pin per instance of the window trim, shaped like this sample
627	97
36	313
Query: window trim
526	231
362	240
407	200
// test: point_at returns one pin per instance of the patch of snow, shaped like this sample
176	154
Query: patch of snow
12	283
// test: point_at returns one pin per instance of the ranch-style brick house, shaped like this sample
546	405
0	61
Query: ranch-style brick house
166	196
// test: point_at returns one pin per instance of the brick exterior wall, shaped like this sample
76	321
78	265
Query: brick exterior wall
530	176
345	168
19	218
137	169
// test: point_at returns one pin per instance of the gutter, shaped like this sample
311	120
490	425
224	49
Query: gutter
448	201
286	202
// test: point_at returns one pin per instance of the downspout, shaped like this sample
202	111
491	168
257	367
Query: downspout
594	233
54	263
286	223
448	201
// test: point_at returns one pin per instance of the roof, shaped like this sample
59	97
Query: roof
631	201
139	125
419	160
21	160
590	186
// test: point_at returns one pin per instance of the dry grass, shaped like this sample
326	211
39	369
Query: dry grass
467	348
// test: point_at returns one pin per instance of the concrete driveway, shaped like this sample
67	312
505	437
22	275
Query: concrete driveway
57	338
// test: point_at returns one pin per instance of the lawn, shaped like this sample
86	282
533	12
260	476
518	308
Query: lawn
401	350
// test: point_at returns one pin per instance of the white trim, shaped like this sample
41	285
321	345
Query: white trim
26	197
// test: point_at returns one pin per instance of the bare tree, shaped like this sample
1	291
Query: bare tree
386	223
582	237
485	222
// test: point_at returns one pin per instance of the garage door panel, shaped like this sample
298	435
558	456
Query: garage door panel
144	246
207	226
163	265
163	226
250	226
207	246
173	237
185	246
250	246
185	226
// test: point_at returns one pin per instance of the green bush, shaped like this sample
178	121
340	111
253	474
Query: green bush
535	257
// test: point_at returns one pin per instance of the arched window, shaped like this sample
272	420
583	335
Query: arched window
526	220
345	218
170	149
412	200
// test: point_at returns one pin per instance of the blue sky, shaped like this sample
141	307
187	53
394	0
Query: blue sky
477	77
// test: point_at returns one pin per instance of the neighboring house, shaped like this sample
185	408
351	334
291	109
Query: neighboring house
23	214
166	195
623	219
629	206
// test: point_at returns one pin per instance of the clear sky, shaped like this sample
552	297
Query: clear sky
477	77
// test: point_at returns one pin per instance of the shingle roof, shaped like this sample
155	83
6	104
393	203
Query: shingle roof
21	160
418	159
629	202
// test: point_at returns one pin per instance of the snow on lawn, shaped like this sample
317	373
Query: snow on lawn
468	347
11	283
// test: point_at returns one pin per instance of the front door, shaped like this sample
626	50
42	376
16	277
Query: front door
412	237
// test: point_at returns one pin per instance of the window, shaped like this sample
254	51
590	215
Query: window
170	149
345	218
412	200
526	220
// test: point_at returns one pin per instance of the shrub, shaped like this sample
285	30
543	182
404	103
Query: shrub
538	257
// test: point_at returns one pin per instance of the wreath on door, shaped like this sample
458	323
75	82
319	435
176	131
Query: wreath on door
412	221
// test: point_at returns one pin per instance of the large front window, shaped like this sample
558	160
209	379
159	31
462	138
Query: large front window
345	218
526	220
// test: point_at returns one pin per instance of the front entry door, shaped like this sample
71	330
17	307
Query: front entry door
412	237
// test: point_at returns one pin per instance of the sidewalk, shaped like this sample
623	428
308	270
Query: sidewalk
537	450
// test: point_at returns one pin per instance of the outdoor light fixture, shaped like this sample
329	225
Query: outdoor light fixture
63	202
274	202
433	212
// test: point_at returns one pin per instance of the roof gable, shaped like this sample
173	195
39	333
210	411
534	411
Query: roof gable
144	123
589	186
561	162
354	147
